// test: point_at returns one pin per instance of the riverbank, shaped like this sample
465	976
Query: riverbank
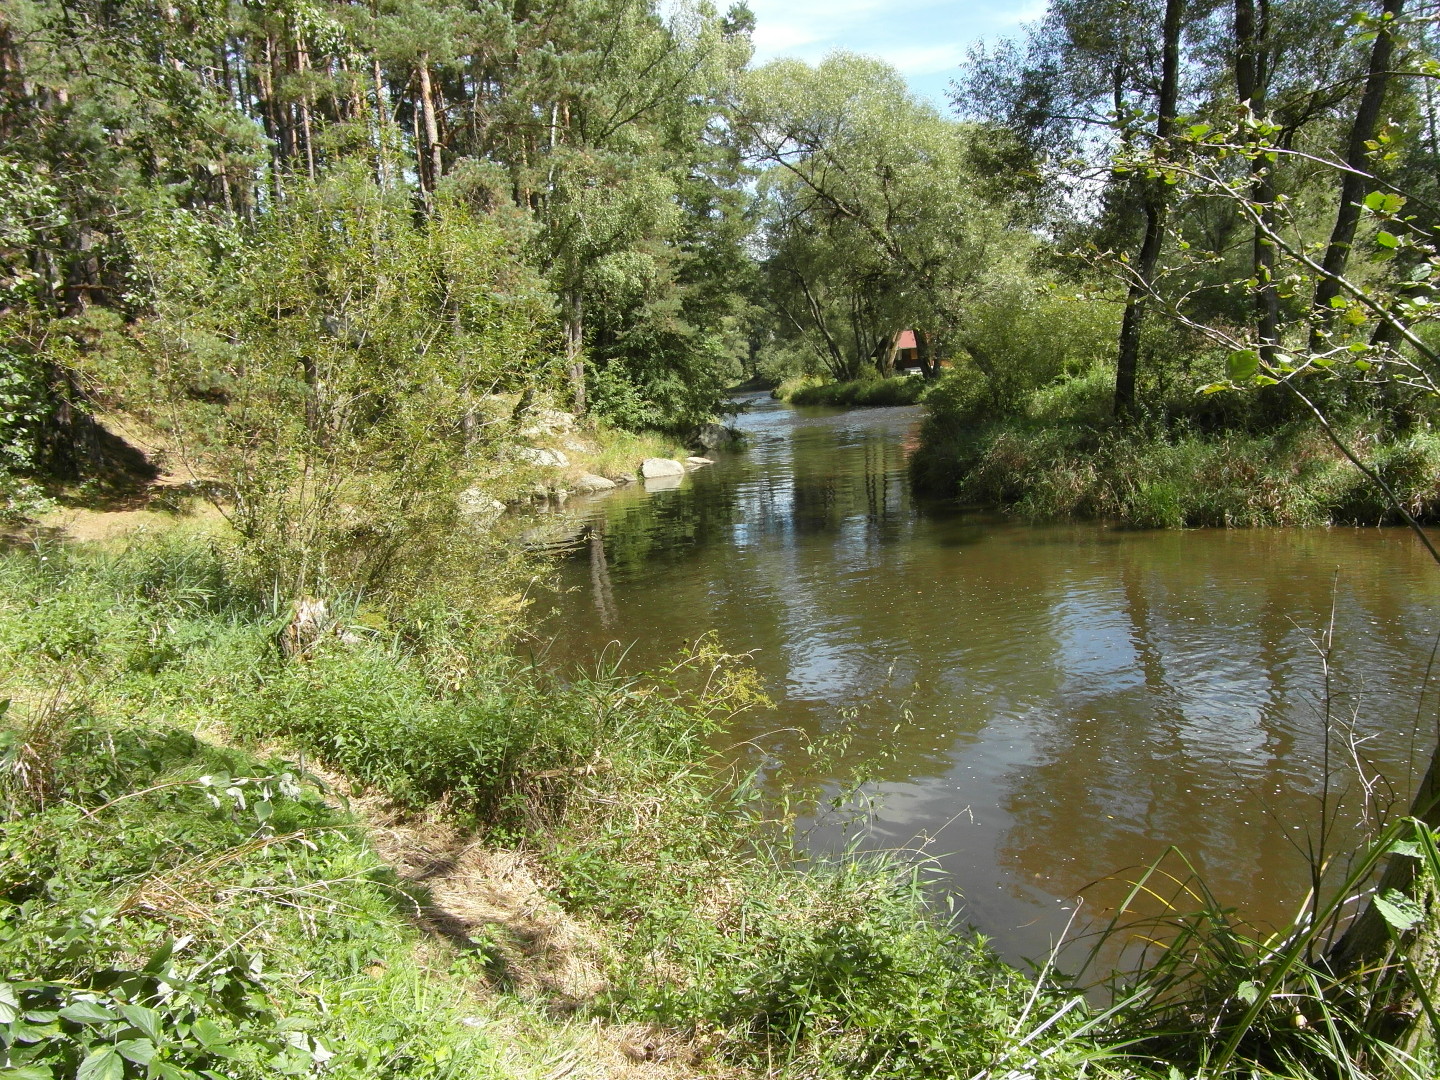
1179	478
288	840
871	391
381	850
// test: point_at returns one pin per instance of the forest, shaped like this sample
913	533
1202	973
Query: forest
303	281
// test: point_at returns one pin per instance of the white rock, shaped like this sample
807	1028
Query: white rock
698	461
589	482
654	467
548	422
482	505
538	455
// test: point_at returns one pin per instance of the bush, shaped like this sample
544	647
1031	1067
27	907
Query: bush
869	391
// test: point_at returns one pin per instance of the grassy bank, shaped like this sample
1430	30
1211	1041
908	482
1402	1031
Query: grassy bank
188	891
873	391
1063	457
391	850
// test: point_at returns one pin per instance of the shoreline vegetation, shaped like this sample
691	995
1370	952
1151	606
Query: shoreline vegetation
280	796
392	850
1196	462
858	393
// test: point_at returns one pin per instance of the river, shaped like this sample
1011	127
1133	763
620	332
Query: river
1046	707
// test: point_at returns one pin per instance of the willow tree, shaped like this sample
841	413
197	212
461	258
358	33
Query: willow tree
874	222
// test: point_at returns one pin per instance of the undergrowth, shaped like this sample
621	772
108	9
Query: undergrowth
869	391
1062	458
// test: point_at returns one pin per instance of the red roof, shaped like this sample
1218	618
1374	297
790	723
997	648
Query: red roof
906	340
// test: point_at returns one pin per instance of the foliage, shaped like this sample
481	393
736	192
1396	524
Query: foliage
871	224
1177	478
865	391
332	370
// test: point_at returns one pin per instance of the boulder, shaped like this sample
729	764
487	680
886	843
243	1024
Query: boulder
548	422
589	483
713	436
697	462
654	467
539	455
480	504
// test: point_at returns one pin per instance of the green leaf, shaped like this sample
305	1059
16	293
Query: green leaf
263	809
1405	847
9	1003
1338	302
1242	364
1384	202
27	1072
102	1064
145	1020
140	1051
209	1034
87	1012
1400	912
1387	240
1362	365
1248	992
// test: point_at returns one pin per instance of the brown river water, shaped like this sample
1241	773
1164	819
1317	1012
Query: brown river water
1046	708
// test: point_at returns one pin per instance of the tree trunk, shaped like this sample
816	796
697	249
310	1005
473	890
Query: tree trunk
382	124
929	362
1127	359
1353	179
885	360
573	305
1252	86
302	65
433	162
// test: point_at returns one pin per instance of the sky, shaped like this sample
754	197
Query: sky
926	40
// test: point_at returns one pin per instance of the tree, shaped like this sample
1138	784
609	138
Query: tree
1367	322
873	222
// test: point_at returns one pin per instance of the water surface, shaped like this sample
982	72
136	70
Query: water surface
1051	706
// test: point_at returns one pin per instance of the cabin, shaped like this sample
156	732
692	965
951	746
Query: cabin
907	355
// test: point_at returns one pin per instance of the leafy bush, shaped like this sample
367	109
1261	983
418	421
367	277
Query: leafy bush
872	391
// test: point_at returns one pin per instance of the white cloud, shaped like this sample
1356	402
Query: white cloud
926	40
924	59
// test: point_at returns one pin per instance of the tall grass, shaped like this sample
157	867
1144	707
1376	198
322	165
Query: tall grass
1184	478
869	391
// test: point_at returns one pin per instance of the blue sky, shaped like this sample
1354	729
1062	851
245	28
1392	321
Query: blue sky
925	39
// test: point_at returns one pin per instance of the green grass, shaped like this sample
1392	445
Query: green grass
869	391
1179	478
